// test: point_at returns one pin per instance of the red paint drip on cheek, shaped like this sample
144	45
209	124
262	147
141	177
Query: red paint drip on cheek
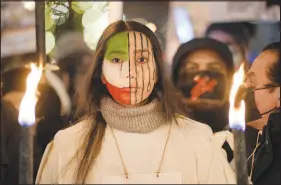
121	95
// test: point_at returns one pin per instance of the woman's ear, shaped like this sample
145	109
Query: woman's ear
103	79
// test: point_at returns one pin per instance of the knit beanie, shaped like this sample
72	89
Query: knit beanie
202	43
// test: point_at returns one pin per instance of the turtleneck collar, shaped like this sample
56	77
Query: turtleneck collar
141	119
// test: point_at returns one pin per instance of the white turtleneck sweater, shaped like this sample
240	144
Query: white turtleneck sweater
190	152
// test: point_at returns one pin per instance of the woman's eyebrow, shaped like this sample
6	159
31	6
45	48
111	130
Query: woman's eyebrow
142	51
117	52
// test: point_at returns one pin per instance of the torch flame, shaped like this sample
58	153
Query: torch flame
237	114
28	102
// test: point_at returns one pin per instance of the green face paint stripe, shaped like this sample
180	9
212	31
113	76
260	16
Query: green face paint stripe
117	47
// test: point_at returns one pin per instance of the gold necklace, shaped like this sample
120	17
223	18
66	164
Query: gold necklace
122	159
253	155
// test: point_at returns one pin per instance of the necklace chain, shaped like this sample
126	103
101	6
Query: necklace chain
122	159
253	155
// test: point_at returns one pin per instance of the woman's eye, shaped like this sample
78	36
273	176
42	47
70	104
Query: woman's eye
215	68
142	60
116	60
191	68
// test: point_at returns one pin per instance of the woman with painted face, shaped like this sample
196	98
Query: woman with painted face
132	133
263	80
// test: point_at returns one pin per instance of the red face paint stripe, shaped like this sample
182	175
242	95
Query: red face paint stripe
121	95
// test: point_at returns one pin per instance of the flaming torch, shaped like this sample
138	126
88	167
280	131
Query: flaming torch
237	124
27	120
27	107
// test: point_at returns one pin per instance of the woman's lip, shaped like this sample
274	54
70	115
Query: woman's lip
129	89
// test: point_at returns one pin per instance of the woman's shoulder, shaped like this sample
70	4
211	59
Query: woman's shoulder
188	126
73	133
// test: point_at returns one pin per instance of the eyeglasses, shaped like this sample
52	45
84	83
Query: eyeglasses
265	87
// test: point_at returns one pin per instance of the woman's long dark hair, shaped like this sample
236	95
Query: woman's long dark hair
94	90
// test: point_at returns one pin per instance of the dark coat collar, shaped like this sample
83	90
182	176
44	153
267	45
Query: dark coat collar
269	142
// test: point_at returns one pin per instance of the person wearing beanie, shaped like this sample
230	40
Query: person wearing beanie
202	72
237	36
134	132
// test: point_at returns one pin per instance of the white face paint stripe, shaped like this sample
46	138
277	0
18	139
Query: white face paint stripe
116	74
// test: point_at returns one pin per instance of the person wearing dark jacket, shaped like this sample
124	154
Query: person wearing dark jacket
10	138
266	169
263	79
202	72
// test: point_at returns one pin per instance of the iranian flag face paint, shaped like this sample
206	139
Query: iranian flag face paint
129	68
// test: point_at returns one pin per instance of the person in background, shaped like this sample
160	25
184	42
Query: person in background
14	73
51	106
237	36
73	56
202	71
10	139
263	81
14	84
132	133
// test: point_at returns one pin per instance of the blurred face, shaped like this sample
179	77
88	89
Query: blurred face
129	68
201	60
233	46
202	75
266	97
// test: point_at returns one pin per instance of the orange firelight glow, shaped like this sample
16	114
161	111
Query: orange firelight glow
28	102
237	114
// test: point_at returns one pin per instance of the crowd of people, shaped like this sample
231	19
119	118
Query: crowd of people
114	115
